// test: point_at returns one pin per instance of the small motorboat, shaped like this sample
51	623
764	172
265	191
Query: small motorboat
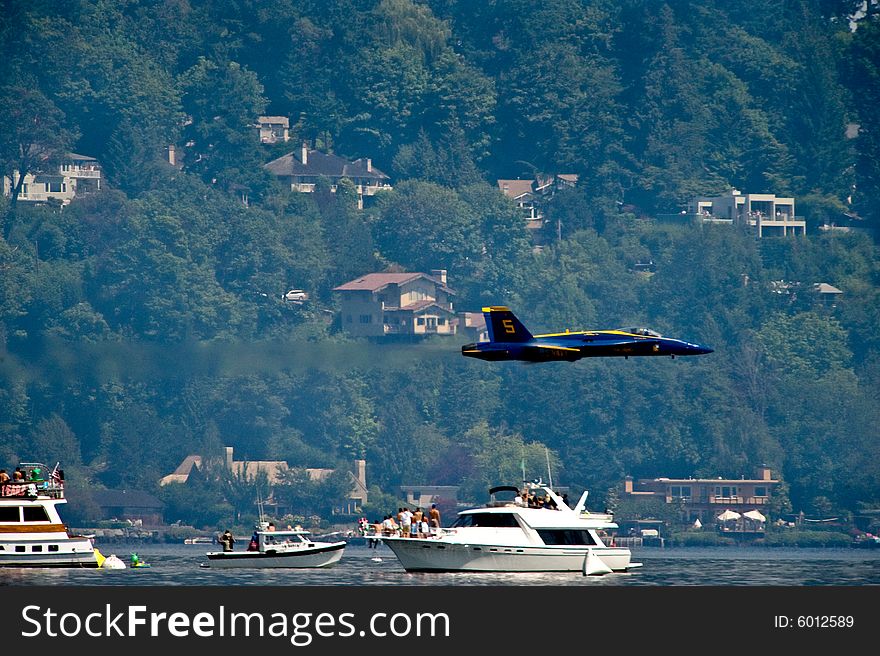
269	547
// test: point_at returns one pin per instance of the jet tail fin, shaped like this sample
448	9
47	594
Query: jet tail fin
503	326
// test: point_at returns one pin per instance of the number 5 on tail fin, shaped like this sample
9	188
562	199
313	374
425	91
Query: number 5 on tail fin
503	326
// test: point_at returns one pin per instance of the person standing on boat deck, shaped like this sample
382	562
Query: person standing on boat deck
227	540
18	475
405	522
417	522
434	519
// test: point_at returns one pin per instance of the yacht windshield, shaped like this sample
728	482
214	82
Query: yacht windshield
495	520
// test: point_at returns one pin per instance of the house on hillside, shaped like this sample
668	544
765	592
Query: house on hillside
76	175
274	471
300	172
706	498
768	214
382	304
273	129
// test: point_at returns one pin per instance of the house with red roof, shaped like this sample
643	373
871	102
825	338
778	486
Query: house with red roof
385	304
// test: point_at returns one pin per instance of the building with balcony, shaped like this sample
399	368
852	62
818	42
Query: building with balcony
405	304
301	171
767	214
706	498
77	175
273	129
529	195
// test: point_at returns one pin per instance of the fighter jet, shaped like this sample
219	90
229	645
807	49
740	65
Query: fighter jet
509	339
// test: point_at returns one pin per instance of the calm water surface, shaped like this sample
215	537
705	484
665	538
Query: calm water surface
173	564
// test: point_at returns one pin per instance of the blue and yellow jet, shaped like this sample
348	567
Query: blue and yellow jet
510	340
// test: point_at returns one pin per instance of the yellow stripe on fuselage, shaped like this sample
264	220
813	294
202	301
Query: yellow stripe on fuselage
555	348
496	308
594	332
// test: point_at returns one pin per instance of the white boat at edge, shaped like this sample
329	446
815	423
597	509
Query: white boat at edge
31	531
290	548
506	537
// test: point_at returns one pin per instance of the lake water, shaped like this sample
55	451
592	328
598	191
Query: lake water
178	564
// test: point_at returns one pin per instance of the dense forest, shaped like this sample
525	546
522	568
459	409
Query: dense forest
144	323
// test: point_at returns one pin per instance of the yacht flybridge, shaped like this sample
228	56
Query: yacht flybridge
509	536
31	531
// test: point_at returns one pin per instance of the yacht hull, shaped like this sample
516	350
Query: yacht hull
432	555
317	556
34	552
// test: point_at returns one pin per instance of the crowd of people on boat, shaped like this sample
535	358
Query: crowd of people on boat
405	523
530	500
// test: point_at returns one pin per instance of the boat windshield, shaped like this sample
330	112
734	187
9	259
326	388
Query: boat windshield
647	332
494	520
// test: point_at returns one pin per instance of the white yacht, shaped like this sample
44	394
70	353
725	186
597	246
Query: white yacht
507	536
279	548
31	531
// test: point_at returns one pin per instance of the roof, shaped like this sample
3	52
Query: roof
249	469
283	120
76	157
318	163
375	281
126	498
418	306
515	188
825	288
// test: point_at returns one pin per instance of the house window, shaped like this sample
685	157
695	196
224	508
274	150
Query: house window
366	318
760	491
420	321
416	495
680	491
441	321
54	187
725	491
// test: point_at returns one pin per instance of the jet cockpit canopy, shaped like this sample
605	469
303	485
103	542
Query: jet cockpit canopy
647	332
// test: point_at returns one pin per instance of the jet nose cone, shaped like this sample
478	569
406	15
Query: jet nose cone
701	350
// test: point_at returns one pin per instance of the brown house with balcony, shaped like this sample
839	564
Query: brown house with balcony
387	304
706	498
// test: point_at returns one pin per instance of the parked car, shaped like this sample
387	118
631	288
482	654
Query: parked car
297	295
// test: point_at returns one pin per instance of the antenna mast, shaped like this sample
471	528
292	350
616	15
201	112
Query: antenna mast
549	475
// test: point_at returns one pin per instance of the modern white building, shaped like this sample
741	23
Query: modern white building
769	214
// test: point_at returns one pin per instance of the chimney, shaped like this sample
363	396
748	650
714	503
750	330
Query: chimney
369	165
764	473
172	156
628	485
440	274
228	450
360	471
305	153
